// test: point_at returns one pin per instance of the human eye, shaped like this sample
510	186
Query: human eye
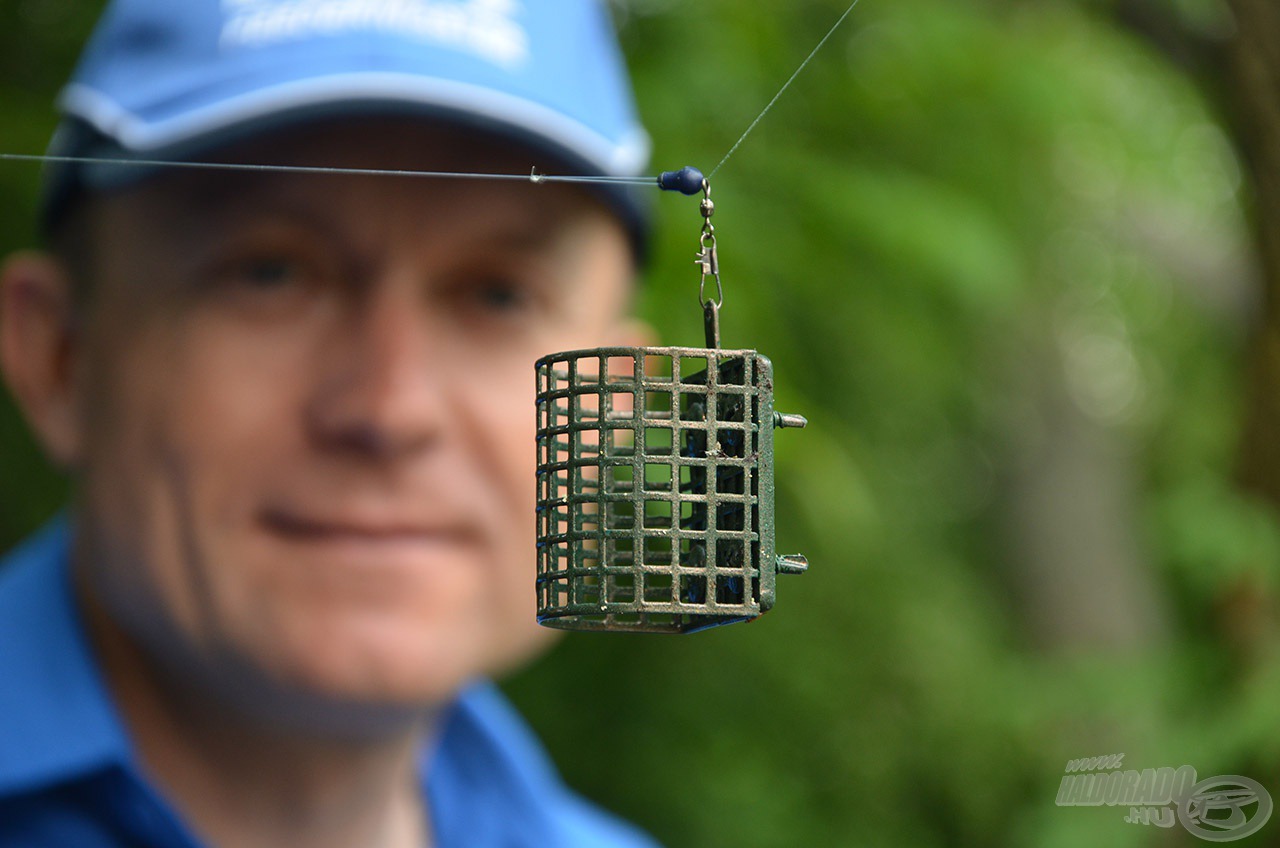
266	283
271	272
501	296
498	299
267	272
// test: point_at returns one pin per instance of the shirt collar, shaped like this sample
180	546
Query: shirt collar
59	722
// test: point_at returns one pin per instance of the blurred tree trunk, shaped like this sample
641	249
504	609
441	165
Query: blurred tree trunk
1083	581
1239	69
1251	92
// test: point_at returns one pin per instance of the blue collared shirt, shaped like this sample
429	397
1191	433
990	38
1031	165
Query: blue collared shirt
69	777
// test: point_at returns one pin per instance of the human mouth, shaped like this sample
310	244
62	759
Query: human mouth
380	534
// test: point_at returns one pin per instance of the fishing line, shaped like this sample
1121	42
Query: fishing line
785	86
686	181
533	176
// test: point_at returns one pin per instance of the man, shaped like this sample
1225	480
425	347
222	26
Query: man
297	409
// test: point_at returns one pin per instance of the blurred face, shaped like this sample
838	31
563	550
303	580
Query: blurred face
307	431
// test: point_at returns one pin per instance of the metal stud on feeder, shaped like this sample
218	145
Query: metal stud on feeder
655	477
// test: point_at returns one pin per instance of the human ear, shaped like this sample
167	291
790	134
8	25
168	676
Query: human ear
37	343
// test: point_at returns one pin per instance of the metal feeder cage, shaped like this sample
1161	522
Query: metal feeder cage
655	488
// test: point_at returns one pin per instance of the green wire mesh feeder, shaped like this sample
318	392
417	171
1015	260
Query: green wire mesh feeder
655	482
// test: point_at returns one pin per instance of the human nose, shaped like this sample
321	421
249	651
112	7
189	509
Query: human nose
384	394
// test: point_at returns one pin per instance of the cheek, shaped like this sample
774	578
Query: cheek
238	392
500	428
503	418
180	433
228	424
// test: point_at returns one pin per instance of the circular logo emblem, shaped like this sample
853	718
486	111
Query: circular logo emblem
1225	808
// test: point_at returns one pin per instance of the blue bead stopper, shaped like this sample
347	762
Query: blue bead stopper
687	180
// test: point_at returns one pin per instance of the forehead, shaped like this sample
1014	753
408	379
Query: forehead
371	202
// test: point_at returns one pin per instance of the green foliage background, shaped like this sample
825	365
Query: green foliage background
936	215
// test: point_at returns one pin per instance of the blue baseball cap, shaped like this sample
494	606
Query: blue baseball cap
174	79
